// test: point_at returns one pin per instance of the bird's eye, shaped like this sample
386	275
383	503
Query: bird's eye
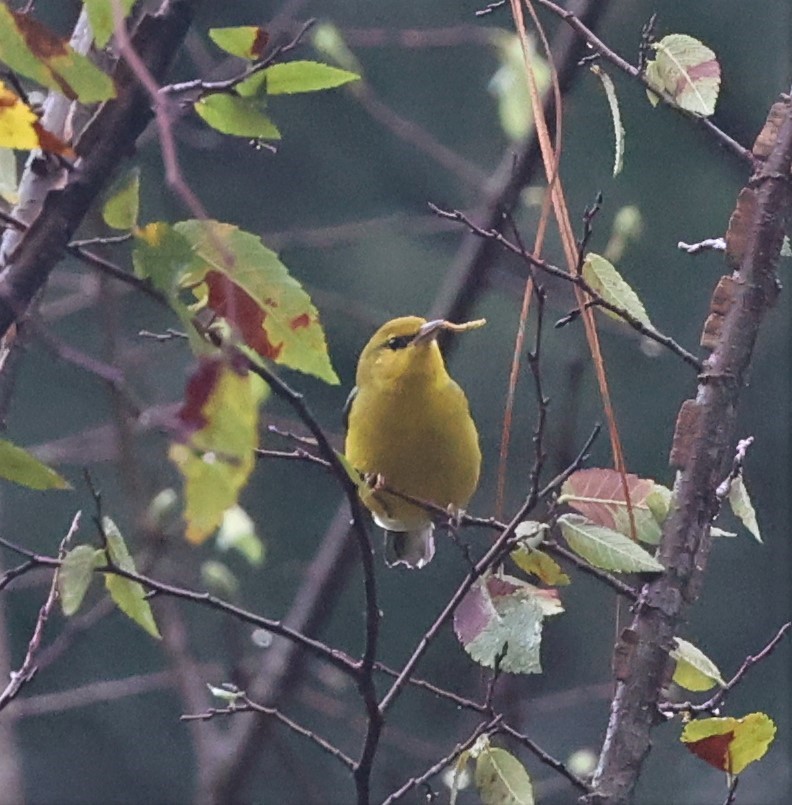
399	341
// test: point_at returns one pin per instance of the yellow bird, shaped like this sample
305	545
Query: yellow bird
409	426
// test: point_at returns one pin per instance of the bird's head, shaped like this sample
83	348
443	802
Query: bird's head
405	347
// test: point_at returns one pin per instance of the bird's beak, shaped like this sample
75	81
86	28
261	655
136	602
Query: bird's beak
429	331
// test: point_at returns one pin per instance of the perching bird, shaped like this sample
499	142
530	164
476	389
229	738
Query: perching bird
409	427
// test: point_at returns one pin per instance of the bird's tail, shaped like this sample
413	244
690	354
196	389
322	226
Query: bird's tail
413	549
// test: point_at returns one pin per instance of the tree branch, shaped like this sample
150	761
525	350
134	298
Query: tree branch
702	451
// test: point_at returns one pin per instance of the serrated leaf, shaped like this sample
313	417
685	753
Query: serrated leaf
292	77
604	547
100	15
730	744
500	620
238	533
688	71
121	209
618	128
75	574
740	502
22	468
249	286
219	432
240	116
246	41
501	779
509	84
539	564
694	669
31	49
599	495
608	283
129	596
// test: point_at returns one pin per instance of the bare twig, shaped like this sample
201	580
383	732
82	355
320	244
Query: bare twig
28	668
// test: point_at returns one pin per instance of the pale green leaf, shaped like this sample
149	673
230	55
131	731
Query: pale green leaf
509	84
232	114
75	574
531	532
618	128
128	595
121	209
500	622
459	776
226	693
741	505
694	669
22	468
238	533
219	579
100	15
501	779
305	76
605	548
687	71
246	41
608	283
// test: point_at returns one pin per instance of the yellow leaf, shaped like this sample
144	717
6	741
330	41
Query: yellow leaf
16	122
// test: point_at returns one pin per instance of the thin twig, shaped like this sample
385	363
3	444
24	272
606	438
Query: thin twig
243	704
574	279
483	728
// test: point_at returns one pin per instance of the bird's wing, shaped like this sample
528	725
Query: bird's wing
348	406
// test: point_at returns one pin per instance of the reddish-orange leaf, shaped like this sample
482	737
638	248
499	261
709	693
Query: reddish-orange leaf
235	305
599	495
53	144
714	749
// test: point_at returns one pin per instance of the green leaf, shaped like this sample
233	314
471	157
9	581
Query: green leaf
100	15
618	128
605	548
539	564
31	49
659	502
608	283
292	77
219	419
694	669
219	579
75	574
121	209
249	286
741	505
531	533
238	533
501	779
232	114
246	41
510	87
19	466
687	71
128	595
499	622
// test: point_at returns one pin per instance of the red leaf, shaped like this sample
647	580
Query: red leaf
243	312
259	43
53	144
303	320
602	493
199	388
714	750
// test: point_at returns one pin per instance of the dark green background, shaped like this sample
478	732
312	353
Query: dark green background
336	166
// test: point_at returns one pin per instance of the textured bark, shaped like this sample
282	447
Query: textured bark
702	452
